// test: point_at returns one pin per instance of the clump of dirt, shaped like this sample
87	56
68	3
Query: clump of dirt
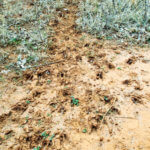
93	99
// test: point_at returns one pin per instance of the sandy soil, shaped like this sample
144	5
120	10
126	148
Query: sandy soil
111	83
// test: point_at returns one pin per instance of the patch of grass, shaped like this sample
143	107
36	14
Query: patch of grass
74	101
124	20
14	41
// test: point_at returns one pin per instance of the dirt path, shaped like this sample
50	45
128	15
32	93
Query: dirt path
109	85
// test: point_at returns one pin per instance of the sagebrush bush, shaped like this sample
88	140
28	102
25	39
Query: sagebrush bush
126	20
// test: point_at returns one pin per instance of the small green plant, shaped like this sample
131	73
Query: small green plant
74	101
51	138
44	135
14	41
8	136
66	87
49	115
49	81
101	117
27	118
1	79
106	99
119	68
97	111
39	122
28	102
37	148
84	130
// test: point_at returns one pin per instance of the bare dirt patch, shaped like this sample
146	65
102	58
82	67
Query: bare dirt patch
96	98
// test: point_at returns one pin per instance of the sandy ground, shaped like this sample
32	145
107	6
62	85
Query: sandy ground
110	83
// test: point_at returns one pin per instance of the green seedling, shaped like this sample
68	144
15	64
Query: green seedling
1	79
51	138
28	102
39	122
84	130
119	68
37	148
49	81
27	118
106	99
101	117
97	111
45	135
8	136
49	115
74	101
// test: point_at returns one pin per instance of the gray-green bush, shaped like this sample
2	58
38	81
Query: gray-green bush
126	20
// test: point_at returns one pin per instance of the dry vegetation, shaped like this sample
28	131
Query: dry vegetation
126	20
24	26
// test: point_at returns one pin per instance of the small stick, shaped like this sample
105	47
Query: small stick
45	64
126	117
106	114
39	65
